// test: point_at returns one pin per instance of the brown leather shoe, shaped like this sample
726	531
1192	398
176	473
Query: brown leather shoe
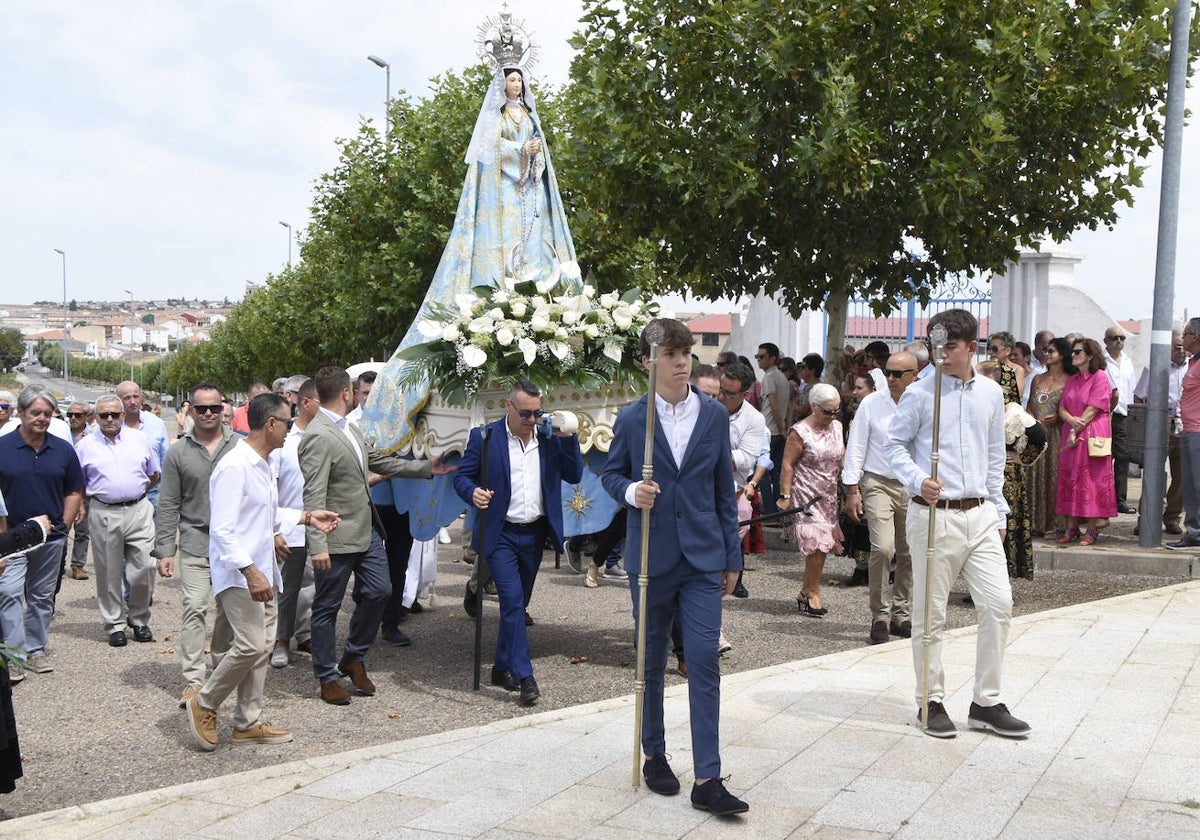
358	677
77	573
334	693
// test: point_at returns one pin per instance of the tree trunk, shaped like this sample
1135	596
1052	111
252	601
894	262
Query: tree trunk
836	305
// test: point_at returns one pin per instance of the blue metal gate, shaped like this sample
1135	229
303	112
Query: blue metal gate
907	321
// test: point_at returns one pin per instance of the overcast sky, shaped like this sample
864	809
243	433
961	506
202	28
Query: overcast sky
161	143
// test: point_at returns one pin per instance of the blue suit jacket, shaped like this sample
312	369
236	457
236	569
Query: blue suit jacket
560	459
694	518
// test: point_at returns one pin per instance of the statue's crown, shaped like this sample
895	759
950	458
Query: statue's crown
505	42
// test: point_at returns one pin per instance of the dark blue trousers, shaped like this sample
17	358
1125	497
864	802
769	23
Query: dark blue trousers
372	588
514	567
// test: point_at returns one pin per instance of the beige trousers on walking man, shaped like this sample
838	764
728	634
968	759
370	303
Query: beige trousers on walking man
244	667
885	505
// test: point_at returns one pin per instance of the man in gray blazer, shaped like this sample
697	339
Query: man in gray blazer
336	461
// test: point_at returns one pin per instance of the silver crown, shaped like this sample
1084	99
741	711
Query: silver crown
506	43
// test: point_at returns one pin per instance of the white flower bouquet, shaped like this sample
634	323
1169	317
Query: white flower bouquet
555	332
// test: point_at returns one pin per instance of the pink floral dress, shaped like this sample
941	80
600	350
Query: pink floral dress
816	474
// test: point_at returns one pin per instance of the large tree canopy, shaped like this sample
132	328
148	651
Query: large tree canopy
809	147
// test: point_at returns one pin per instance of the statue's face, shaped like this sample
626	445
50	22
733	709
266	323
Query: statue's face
513	85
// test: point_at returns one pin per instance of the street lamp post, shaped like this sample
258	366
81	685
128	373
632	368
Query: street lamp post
66	364
131	325
387	119
289	230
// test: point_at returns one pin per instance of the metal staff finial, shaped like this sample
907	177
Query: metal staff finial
937	337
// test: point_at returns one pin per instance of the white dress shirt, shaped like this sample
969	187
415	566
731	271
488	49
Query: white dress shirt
1120	374
244	516
525	475
1174	387
285	463
868	434
747	430
971	443
677	422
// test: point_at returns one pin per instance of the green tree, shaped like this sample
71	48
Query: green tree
12	348
817	150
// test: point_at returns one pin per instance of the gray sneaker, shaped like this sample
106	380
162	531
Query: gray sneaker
574	559
995	719
940	725
615	573
39	664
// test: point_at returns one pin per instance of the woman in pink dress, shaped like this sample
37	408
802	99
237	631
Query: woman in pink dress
812	461
1086	493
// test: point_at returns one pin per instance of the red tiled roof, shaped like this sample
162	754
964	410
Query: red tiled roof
721	323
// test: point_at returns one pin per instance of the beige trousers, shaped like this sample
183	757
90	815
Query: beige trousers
886	507
966	542
244	666
121	539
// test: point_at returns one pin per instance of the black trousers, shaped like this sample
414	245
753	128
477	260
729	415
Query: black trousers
398	542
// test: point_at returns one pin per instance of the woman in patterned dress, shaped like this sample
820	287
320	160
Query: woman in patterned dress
812	462
1044	395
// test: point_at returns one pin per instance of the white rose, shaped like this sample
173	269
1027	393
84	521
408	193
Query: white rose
495	313
482	324
465	303
570	316
592	331
609	300
450	333
623	318
519	308
539	323
505	336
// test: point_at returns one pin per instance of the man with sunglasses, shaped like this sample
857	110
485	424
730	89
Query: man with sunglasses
1120	371
336	463
874	489
519	503
77	418
120	467
181	530
245	518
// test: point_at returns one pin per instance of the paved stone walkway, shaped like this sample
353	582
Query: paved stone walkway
825	747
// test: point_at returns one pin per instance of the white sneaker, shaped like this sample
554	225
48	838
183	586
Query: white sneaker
279	656
15	673
443	536
723	645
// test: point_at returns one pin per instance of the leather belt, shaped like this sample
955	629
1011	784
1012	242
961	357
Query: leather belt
129	503
525	526
951	504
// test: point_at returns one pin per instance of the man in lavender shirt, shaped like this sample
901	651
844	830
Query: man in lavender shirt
120	467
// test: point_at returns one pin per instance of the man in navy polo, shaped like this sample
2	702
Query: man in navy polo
39	474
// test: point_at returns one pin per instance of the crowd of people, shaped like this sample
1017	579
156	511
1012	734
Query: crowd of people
266	510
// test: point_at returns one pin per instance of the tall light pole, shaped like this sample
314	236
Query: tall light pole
131	313
66	364
387	119
289	230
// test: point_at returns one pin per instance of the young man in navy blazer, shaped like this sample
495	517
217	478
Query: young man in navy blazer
695	554
520	505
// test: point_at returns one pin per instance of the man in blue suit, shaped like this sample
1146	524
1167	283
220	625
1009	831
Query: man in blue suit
695	554
519	507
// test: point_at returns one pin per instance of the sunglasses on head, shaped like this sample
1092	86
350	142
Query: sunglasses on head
207	409
107	415
892	373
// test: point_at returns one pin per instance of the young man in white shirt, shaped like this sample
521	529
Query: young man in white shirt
971	519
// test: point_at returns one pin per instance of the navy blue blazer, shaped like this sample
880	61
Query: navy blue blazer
694	518
560	459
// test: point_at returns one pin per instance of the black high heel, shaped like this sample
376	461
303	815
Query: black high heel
805	607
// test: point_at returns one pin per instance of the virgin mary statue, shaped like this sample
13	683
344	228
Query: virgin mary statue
510	219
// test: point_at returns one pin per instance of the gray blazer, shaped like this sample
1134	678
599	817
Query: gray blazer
334	480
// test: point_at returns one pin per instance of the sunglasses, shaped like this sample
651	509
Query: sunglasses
731	394
285	420
527	413
75	414
1077	352
992	348
108	415
891	373
760	355
207	409
8	406
1114	338
828	412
